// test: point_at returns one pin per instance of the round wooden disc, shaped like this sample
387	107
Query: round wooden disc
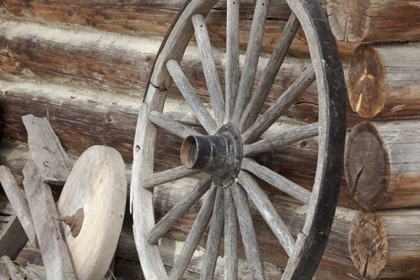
97	184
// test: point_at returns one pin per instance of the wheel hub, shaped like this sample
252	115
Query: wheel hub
219	155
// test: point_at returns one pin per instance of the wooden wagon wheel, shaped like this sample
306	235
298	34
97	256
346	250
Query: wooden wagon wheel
225	155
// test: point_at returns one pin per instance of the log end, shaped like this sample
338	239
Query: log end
366	166
348	19
367	82
368	245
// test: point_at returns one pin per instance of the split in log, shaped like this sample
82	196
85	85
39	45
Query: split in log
374	21
382	164
153	18
383	80
385	244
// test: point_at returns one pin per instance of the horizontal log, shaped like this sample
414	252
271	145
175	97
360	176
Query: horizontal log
382	164
374	21
384	81
385	244
153	18
83	118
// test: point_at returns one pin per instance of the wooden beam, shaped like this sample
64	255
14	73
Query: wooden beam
49	157
382	164
19	203
152	18
370	21
12	236
43	209
382	81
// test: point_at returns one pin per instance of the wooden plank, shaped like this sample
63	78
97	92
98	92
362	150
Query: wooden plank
12	238
43	209
47	153
19	203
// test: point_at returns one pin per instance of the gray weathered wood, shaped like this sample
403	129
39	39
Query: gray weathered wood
196	232
11	269
214	238
280	139
18	201
180	208
276	180
191	97
253	50
43	209
167	176
249	238
209	67
47	153
230	237
280	106
12	236
232	57
268	211
257	101
174	127
141	198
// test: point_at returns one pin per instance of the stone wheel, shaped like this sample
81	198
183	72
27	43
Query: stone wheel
225	154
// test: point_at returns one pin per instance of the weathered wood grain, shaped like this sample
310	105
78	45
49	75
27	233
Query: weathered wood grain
82	118
374	21
43	209
148	18
382	164
12	236
385	244
18	201
49	157
383	80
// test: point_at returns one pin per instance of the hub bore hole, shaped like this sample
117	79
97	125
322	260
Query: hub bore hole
189	152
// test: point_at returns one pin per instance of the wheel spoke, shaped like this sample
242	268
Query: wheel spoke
251	59
231	237
270	73
171	125
232	57
179	209
249	238
215	235
209	66
268	211
196	232
191	97
280	139
280	106
167	176
276	180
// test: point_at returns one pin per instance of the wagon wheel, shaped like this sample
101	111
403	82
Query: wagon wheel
225	155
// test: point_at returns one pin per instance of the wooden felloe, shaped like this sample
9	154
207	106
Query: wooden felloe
385	244
374	21
383	80
382	164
